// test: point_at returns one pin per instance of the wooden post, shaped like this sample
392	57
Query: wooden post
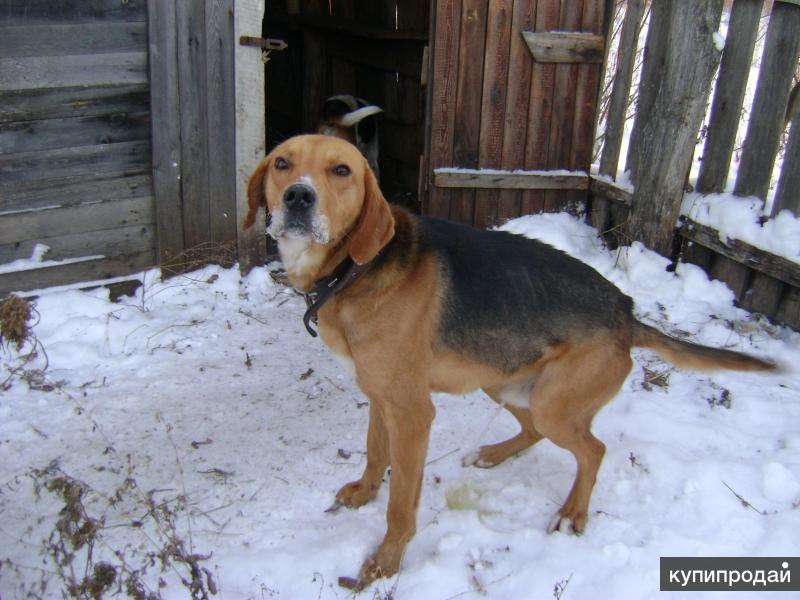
618	106
250	126
729	95
788	194
665	136
164	100
769	104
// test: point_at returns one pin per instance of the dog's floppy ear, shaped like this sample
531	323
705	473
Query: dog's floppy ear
255	193
375	225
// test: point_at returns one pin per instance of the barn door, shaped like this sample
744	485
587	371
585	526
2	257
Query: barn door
510	92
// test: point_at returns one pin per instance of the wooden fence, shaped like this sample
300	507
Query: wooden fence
510	90
665	120
74	140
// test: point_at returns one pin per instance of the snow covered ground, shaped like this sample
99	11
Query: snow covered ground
206	391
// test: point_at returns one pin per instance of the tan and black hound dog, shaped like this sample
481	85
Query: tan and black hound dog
414	305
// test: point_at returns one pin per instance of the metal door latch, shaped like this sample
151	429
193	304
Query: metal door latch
263	43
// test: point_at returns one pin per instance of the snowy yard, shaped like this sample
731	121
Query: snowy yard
204	396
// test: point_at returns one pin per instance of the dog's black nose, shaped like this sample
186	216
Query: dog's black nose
299	197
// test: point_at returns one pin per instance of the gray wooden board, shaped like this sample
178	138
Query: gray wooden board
166	127
25	12
729	95
85	38
74	164
83	101
221	121
120	240
31	72
91	270
766	123
38	225
44	194
27	136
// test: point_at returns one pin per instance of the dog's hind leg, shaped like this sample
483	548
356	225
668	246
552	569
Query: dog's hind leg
566	397
493	454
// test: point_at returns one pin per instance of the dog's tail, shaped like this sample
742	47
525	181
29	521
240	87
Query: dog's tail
694	356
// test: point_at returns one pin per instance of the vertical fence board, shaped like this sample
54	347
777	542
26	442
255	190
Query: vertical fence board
564	104
192	82
769	104
667	132
164	99
221	120
540	107
442	109
618	105
495	87
729	96
787	195
517	100
467	123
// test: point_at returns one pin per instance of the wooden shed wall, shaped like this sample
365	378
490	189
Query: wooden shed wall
75	139
494	107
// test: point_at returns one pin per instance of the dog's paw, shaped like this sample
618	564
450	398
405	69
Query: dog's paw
355	494
566	525
477	458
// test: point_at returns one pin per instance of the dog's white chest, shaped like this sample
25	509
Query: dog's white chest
347	363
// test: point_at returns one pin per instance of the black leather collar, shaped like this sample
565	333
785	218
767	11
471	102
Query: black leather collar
345	274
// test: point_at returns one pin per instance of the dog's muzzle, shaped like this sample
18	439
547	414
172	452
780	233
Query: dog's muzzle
299	202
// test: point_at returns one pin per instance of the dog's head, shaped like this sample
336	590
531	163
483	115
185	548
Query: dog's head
322	198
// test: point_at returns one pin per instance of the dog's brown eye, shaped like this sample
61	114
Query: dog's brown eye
341	170
281	163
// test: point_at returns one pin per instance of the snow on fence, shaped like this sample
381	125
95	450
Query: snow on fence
672	97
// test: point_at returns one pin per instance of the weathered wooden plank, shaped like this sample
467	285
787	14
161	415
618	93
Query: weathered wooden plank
668	132
764	129
509	203
764	295
519	180
74	164
564	105
44	194
55	103
221	120
618	106
33	72
122	240
468	102
788	311
787	196
565	47
731	272
611	191
250	128
194	132
86	38
165	108
743	253
27	136
655	53
540	108
587	93
96	216
729	95
495	88
27	12
443	87
90	270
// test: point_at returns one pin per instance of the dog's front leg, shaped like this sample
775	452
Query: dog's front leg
358	493
408	423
